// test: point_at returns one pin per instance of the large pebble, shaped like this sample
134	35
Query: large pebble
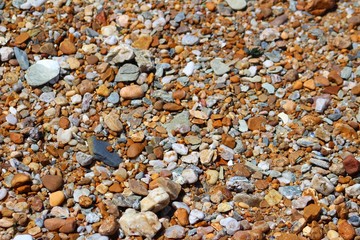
237	4
176	231
144	224
156	200
132	92
219	67
6	53
99	150
322	184
23	237
52	182
41	72
127	73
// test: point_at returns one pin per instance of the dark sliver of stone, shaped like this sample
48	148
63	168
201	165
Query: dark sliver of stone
98	149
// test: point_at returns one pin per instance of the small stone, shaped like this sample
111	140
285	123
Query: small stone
180	148
16	138
172	107
120	54
112	121
156	200
175	232
351	165
143	42
273	197
64	135
190	176
353	191
56	198
127	73
86	86
135	150
23	237
52	182
322	184
212	176
189	69
310	84
237	4
103	91
41	72
257	123
6	53
23	37
20	179
109	226
171	187
346	231
85	201
224	207
84	159
6	222
54	224
189	40
99	150
48	48
182	216
132	92
195	216
3	193
219	67
138	188
144	224
22	58
312	212
320	7
231	225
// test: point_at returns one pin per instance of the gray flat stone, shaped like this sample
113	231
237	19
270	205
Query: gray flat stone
22	58
127	73
219	67
98	149
41	72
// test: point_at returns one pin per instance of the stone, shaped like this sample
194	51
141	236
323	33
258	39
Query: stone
21	38
54	224
43	71
3	193
99	150
189	69
112	121
175	232
16	138
143	42
172	107
137	187
127	73
20	179
120	54
56	198
312	212
172	188
52	182
64	135
6	53
84	159
345	131
353	191
351	165
132	92
237	4
144	224
189	40
22	58
6	222
86	86
257	123
135	150
109	226
156	200
249	199
49	49
23	237
212	176
144	60
346	231
69	226
190	176
182	216
273	197
219	67
320	7
195	216
322	184
103	91
85	201
180	148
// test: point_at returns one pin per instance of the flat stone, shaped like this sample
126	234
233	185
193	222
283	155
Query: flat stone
312	212
143	42
219	67
98	149
172	188
112	121
273	197
189	40
351	165
52	182
22	58
127	73
20	179
138	187
237	4
144	224
41	72
322	184
120	54
132	92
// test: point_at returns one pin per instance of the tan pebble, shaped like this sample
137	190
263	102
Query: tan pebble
103	91
20	179
210	6
310	84
356	90
143	42
257	123
56	198
101	188
134	150
86	86
53	224
182	216
132	92
85	201
109	226
112	121
297	85
67	47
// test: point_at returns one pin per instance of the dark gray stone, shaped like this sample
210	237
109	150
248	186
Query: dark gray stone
98	150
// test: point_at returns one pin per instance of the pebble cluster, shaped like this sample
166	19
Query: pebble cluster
215	119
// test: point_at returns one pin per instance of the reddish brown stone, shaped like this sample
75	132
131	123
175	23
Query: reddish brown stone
17	138
23	37
257	123
320	7
67	47
351	165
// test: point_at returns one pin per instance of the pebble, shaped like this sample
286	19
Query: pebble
112	121
189	69
99	150
52	182
231	225
322	184
139	224
109	226
180	148
22	58
6	53
23	237
219	67
273	197
127	73
132	92
189	40
195	216
56	198
175	232
190	176
237	4
84	159
3	193
43	71
156	200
